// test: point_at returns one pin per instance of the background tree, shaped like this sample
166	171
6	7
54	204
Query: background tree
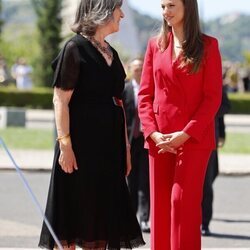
247	57
1	18
49	24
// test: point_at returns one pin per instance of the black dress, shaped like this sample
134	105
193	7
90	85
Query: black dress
91	207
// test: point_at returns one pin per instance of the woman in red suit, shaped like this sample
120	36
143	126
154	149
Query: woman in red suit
179	96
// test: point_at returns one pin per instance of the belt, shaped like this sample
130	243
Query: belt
117	101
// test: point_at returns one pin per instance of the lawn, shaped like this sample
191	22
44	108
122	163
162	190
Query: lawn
21	138
238	143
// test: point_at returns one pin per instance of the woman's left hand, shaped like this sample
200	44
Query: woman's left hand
129	165
174	140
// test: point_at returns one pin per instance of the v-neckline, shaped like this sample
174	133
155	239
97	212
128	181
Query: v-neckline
176	59
99	53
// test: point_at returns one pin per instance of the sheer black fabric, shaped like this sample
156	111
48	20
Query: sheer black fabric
91	207
67	66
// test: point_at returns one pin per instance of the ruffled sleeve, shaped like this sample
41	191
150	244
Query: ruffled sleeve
66	67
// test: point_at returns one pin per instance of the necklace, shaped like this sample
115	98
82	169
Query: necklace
178	46
106	50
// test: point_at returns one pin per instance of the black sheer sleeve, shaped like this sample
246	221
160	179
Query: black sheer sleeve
67	67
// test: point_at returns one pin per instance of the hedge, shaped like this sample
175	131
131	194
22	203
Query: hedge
41	98
240	103
37	98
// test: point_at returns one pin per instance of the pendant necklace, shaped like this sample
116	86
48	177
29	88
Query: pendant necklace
106	50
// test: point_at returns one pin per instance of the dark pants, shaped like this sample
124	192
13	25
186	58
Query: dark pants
246	82
207	202
138	179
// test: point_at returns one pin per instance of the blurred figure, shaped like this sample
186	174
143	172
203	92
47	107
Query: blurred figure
245	76
138	180
213	164
233	78
22	73
4	73
13	69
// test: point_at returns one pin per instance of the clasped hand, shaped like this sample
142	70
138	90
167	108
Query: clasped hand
169	142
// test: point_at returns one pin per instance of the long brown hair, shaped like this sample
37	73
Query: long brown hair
192	47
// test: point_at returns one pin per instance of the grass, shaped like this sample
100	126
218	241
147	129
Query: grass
238	143
21	138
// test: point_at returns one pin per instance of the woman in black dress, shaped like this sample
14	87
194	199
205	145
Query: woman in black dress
88	202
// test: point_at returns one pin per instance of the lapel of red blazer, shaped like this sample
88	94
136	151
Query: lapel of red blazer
169	66
172	71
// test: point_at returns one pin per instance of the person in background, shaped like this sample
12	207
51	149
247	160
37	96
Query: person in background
22	73
13	69
233	78
4	73
180	93
245	77
89	204
138	180
213	163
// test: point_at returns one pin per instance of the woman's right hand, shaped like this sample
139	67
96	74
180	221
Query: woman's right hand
67	158
159	138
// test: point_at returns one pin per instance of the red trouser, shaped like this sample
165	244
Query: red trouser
176	185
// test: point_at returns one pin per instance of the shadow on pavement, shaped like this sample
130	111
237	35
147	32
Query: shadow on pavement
232	221
230	236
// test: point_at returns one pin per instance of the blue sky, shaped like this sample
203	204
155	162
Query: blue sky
208	8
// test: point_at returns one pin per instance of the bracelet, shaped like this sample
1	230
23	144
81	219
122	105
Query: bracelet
62	137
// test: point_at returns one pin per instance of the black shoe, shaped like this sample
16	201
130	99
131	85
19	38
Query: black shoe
145	227
205	231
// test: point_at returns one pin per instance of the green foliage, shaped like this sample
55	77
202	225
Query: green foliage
1	20
42	98
38	98
233	33
49	25
247	57
19	36
26	46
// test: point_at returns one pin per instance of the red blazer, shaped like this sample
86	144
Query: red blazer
171	99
